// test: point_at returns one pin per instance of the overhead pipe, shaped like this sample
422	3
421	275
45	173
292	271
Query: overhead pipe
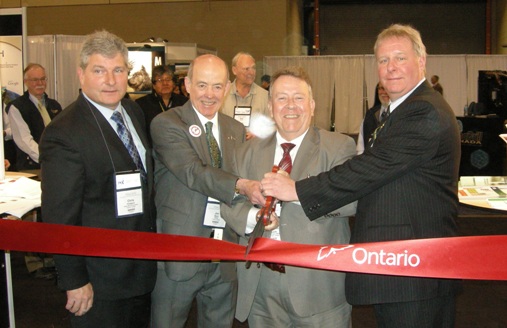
316	28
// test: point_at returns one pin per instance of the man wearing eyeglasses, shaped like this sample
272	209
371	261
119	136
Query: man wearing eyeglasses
245	96
162	98
29	115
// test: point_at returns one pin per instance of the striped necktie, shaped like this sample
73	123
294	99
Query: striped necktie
128	141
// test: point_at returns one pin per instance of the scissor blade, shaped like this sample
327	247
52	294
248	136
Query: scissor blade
256	233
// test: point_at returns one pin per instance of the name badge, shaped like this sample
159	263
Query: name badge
129	193
242	114
212	216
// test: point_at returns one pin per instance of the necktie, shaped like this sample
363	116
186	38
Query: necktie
384	115
382	121
44	113
216	157
286	165
127	140
286	162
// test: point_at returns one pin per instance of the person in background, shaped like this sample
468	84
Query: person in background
162	97
406	184
265	81
182	88
245	96
436	84
29	115
288	296
98	142
193	149
9	146
374	117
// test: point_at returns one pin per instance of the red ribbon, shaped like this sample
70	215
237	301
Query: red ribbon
478	257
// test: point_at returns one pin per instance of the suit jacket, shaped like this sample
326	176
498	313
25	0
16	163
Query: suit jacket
310	291
185	178
151	106
77	153
406	186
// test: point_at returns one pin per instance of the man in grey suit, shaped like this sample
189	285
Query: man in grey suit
298	297
405	183
191	178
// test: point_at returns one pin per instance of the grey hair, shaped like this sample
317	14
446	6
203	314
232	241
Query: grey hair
103	43
31	66
295	71
403	31
239	54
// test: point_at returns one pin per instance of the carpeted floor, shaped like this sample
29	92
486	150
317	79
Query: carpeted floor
38	303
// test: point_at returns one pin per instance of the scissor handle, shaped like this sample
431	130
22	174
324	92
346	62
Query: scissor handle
269	205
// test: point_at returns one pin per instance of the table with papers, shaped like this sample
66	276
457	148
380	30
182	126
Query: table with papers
485	192
19	194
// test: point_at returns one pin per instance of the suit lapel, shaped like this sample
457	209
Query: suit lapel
189	116
309	147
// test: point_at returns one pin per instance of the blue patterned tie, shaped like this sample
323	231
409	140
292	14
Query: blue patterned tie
216	157
127	140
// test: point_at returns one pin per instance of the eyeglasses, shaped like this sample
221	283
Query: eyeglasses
164	80
43	79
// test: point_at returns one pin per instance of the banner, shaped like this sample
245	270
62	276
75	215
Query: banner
477	257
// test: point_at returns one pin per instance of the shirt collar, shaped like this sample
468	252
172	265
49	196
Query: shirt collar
398	101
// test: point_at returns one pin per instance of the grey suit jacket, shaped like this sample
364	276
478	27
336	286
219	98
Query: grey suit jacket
311	291
185	178
406	185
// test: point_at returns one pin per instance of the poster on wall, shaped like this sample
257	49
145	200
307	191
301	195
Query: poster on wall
11	54
143	59
11	66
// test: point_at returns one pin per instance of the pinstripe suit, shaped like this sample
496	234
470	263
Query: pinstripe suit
406	187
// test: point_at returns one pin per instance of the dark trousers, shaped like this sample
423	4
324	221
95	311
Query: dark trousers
125	313
439	312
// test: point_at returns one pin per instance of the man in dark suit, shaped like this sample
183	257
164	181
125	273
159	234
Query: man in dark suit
193	150
29	115
436	85
83	163
297	297
373	118
163	96
405	183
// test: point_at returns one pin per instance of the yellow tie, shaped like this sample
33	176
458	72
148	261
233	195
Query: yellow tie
44	113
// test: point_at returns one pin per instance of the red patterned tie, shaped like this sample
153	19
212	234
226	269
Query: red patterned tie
286	162
286	165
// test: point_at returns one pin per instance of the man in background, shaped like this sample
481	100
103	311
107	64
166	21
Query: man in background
245	96
374	117
287	296
405	183
29	115
87	154
193	147
265	81
436	84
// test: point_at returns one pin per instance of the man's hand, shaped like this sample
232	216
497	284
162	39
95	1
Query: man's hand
252	190
273	221
280	186
80	301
